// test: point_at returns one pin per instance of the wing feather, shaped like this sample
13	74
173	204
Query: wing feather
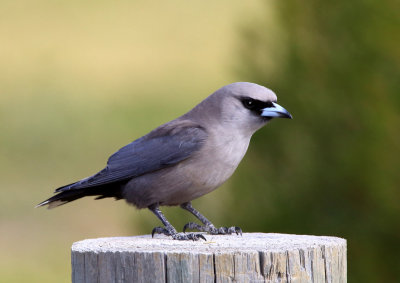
167	145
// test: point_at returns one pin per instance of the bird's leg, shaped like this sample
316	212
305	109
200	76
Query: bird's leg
169	230
208	226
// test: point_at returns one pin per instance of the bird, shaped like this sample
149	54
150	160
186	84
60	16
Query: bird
183	159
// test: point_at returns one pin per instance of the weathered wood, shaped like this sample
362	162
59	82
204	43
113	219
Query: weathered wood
253	257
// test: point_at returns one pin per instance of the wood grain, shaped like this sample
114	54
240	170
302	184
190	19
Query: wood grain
253	257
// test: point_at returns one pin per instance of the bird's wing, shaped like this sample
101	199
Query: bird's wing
165	146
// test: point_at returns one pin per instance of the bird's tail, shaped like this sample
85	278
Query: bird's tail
63	197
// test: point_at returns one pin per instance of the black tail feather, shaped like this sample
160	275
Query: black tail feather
105	191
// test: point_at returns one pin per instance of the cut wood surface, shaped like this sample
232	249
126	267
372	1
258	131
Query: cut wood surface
253	257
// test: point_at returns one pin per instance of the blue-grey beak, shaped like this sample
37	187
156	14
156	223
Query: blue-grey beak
276	111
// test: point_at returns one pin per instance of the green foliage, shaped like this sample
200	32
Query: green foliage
333	170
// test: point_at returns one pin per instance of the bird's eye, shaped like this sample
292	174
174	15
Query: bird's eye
249	103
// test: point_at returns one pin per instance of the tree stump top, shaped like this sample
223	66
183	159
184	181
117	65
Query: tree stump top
214	244
253	257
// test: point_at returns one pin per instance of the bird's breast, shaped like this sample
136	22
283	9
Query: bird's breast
217	161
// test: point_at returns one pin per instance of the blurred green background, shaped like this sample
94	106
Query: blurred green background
80	79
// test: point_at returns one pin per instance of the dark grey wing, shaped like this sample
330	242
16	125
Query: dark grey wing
165	146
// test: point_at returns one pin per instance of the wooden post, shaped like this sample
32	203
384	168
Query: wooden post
253	257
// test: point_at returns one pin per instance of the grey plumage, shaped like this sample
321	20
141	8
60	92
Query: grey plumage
184	158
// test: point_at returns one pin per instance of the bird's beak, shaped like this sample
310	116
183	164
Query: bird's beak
276	111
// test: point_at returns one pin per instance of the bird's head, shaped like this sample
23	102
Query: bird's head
247	106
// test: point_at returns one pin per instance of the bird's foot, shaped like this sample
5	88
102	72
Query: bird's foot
160	230
188	236
210	229
178	236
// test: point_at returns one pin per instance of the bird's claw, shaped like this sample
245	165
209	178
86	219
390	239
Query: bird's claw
177	236
160	230
212	230
230	230
189	236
